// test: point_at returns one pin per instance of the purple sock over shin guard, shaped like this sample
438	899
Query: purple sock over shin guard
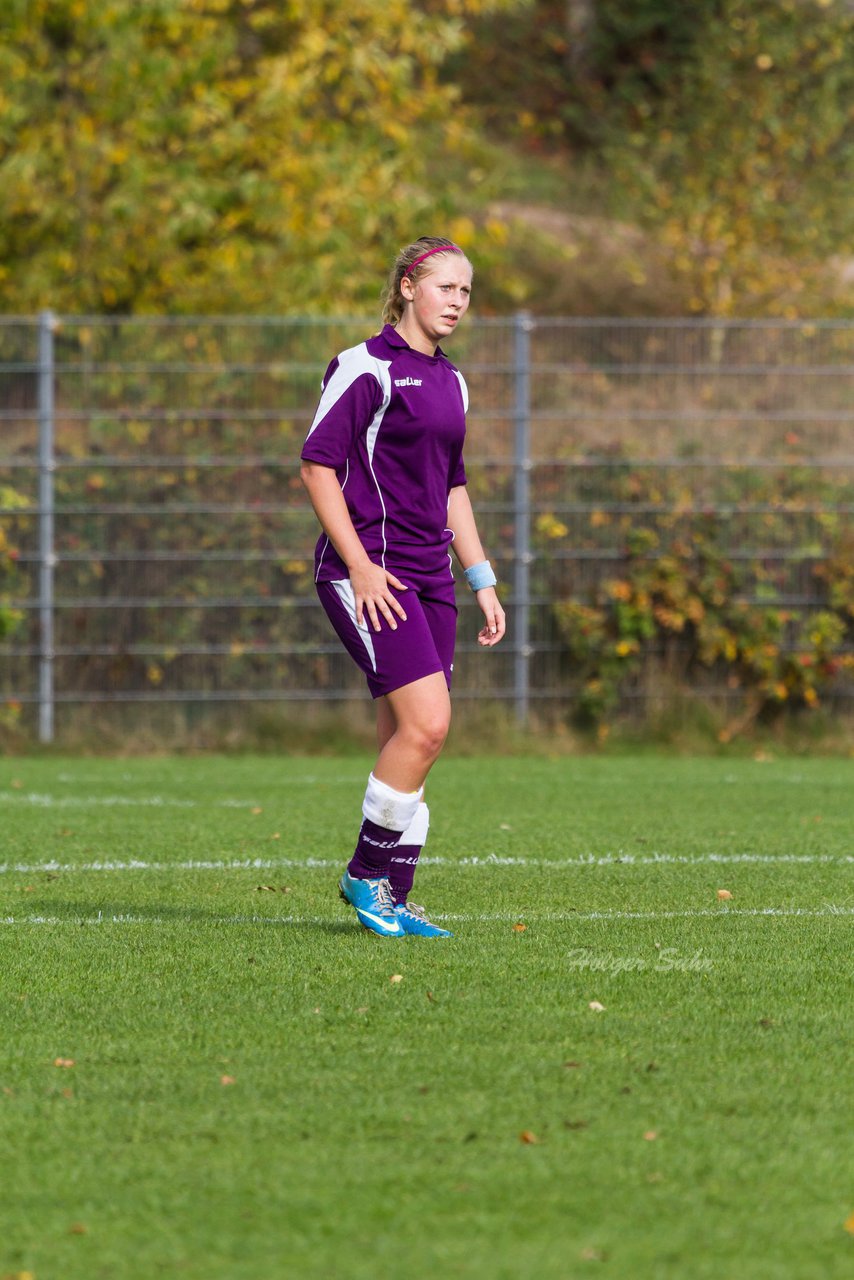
404	858
371	859
401	872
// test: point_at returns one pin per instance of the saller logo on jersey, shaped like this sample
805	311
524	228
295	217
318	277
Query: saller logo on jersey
408	382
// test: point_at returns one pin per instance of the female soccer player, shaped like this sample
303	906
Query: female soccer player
383	467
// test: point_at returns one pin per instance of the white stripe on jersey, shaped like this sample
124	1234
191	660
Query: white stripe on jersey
347	597
371	442
464	389
351	365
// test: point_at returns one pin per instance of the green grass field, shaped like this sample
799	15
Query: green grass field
207	1071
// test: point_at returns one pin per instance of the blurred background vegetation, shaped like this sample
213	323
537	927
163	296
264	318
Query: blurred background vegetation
634	157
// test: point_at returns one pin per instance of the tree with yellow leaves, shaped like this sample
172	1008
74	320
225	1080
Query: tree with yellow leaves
217	155
747	165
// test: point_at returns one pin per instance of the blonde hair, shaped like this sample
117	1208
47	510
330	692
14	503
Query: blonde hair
429	246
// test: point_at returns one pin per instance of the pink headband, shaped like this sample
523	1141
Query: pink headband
443	248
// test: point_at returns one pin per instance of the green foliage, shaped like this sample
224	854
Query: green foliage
746	166
10	618
569	70
241	155
682	602
725	129
218	155
11	501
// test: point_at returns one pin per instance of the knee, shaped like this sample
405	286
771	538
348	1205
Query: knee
429	734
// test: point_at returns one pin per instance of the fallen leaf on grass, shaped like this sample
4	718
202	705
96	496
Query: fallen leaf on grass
431	997
63	1062
849	1223
650	1135
257	809
396	977
77	1229
519	928
570	1065
596	1006
228	1080
724	895
529	1138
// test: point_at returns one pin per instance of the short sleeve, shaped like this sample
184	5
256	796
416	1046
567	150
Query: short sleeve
352	394
458	474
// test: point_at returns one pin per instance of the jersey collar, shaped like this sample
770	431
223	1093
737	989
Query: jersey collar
395	339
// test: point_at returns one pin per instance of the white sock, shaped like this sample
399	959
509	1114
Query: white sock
416	832
388	808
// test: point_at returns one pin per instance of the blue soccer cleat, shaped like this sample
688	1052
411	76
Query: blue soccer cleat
414	920
373	903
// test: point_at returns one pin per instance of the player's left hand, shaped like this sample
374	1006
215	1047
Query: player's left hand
494	629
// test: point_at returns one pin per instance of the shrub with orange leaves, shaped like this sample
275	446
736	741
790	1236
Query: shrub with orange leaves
681	593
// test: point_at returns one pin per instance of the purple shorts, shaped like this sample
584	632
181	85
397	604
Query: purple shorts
421	646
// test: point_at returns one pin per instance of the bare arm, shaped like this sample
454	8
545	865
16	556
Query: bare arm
370	581
469	550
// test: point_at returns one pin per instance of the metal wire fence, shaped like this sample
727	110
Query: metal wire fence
161	543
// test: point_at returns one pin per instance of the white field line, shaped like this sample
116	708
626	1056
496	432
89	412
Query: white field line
42	800
829	910
35	800
484	862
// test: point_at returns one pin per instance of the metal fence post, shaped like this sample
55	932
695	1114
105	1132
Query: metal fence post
47	557
522	326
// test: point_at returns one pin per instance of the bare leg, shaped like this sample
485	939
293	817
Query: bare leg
412	725
386	723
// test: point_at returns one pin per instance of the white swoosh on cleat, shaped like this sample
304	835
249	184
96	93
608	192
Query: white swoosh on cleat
383	924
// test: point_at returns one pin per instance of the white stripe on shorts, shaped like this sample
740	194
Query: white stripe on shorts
347	597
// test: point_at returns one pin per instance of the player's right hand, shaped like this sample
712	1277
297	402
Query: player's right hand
372	588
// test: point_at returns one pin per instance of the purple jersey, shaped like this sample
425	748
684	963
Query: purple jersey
391	422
